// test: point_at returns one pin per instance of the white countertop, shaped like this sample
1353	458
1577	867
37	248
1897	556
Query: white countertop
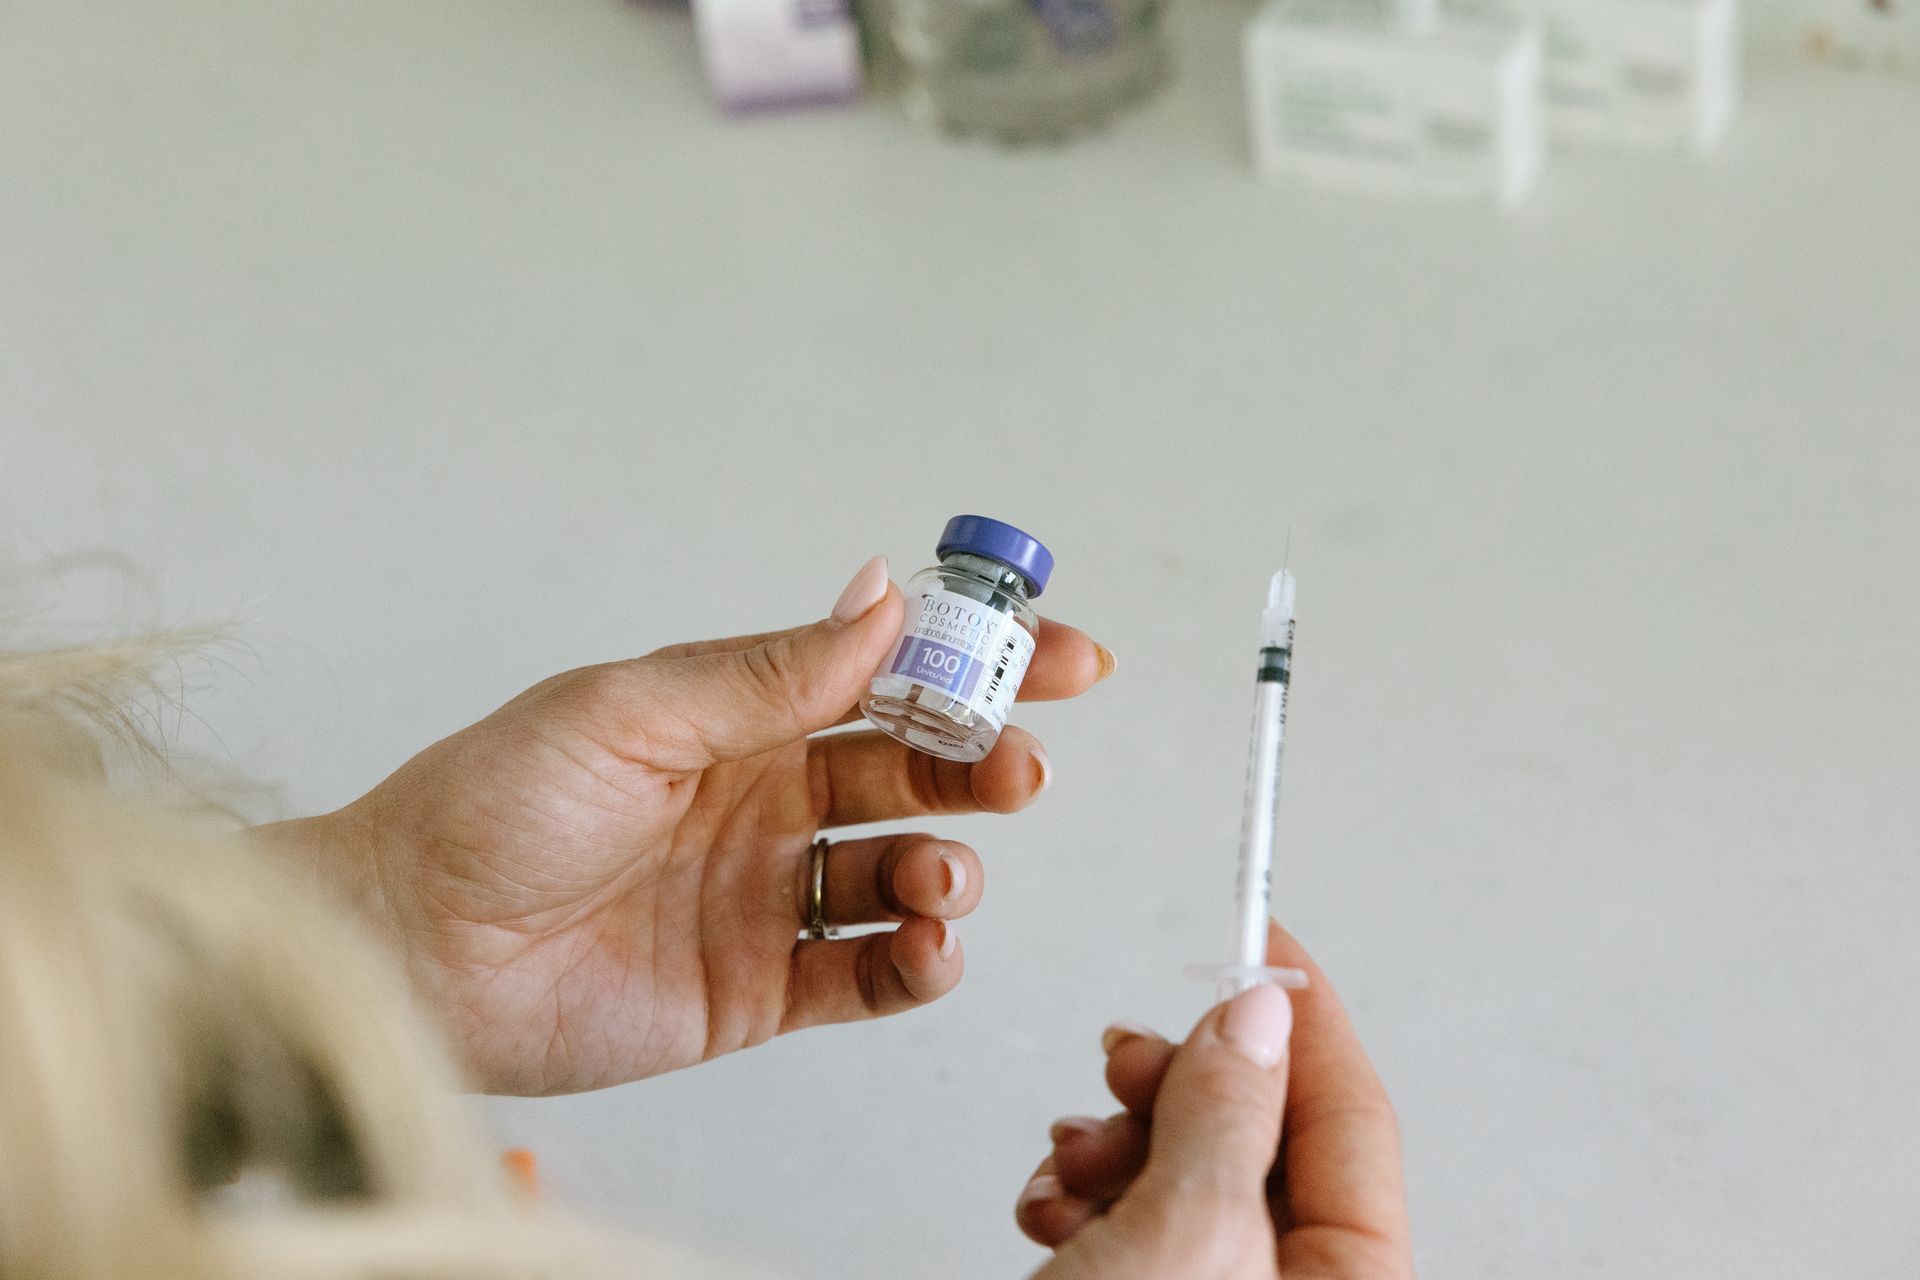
460	343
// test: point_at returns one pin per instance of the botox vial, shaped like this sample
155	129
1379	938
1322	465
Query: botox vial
968	638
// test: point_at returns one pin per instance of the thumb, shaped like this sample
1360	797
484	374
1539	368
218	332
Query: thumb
729	703
1216	1119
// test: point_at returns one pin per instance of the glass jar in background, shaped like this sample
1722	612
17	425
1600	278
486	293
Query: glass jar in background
1023	71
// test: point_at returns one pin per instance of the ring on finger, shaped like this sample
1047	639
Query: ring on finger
817	926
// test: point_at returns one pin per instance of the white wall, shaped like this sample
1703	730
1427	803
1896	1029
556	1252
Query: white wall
460	343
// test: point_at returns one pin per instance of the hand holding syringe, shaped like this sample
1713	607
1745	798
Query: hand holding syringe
1221	1113
1253	892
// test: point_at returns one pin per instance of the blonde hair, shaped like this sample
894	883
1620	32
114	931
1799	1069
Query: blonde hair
207	1068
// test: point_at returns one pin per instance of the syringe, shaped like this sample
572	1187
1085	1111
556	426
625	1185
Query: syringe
1253	889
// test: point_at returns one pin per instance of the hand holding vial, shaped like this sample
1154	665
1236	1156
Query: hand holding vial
607	878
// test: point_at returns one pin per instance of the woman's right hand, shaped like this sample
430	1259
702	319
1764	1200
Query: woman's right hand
1236	1157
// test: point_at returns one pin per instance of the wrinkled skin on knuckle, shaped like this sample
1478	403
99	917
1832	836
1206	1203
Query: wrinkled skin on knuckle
596	699
615	707
794	687
1228	1086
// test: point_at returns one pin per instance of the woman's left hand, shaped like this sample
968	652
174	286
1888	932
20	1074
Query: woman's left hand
606	878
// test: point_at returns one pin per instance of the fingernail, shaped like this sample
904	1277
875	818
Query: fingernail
1074	1124
1043	1186
1257	1024
1110	1038
956	875
1107	663
868	588
948	940
1042	769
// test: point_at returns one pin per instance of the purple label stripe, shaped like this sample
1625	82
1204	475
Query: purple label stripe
943	667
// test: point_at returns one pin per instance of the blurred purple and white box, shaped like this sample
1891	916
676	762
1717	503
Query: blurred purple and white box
764	55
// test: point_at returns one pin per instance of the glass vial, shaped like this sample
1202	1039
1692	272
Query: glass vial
1023	71
968	637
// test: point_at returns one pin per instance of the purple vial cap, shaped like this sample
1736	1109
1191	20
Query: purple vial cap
979	536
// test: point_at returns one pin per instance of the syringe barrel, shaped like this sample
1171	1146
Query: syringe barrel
1253	892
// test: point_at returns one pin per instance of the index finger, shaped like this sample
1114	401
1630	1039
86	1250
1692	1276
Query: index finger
1342	1147
1066	663
1066	660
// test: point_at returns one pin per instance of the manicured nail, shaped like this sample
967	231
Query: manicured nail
1044	1186
948	940
868	588
1074	1124
1107	664
1257	1024
1042	769
956	876
1110	1038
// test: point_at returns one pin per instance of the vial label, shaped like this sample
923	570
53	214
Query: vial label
971	653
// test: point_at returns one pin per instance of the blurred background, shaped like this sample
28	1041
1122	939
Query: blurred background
455	344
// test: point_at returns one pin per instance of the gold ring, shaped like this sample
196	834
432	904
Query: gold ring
817	926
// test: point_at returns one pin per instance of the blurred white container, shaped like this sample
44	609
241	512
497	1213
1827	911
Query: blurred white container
1445	108
1660	74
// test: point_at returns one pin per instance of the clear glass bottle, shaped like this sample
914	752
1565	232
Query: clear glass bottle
968	637
1026	71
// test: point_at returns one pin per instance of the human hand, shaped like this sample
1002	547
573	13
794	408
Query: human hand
1264	1146
605	879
